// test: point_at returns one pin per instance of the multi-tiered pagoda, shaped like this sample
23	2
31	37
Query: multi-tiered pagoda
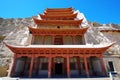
58	48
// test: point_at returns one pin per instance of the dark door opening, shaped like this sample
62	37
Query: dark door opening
58	68
111	66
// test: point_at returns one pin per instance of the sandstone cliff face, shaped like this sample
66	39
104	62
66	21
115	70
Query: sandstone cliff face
13	31
95	24
9	31
112	36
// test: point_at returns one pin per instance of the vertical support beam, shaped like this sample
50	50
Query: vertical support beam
31	67
49	67
86	66
13	65
68	66
73	39
43	39
103	66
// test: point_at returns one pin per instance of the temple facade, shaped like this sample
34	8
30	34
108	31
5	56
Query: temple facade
58	48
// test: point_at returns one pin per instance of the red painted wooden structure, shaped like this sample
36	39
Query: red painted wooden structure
55	51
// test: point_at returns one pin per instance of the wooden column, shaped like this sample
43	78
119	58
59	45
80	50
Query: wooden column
68	66
86	66
13	65
103	66
49	67
31	66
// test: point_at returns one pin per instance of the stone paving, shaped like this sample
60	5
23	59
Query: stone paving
8	78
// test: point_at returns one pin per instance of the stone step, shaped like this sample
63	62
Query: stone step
7	78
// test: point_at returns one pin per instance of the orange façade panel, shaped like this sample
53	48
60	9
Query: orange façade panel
58	16
57	22
58	50
58	9
40	31
56	13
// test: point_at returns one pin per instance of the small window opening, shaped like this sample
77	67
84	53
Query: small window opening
30	32
111	67
58	27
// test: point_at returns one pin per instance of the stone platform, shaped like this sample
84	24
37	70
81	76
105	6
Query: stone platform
7	78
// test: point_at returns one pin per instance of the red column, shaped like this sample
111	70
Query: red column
103	66
49	67
13	65
68	66
31	67
86	66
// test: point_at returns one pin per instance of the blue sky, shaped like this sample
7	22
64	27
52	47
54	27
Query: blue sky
102	11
